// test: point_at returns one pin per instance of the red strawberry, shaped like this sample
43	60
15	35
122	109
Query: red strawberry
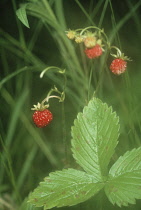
42	118
118	66
94	52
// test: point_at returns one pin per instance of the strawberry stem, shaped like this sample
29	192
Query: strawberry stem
42	106
101	31
61	97
119	53
52	67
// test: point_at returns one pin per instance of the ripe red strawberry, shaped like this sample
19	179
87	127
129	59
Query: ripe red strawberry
42	118
94	52
118	66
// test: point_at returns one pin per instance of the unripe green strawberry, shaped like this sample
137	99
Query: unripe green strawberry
90	41
94	52
79	39
118	66
42	118
71	34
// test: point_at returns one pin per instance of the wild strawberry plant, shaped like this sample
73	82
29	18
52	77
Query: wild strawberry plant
94	139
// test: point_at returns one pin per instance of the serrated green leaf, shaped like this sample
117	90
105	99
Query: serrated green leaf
124	185
65	188
21	14
28	206
95	134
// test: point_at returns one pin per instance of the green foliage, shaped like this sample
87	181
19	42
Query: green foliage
27	153
21	14
124	184
65	188
94	133
28	206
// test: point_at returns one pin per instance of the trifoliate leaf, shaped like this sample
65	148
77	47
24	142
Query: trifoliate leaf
124	184
64	188
21	14
95	134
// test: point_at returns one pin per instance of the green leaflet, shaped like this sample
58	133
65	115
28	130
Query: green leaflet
94	138
95	134
21	14
28	206
65	188
124	185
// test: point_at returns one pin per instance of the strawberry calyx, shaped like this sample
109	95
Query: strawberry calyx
40	107
119	54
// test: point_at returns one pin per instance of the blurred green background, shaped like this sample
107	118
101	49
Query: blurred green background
27	153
